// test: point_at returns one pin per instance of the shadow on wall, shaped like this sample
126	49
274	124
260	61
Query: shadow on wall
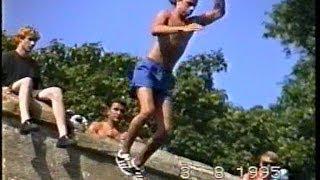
39	162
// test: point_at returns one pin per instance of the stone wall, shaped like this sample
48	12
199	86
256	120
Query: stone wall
36	157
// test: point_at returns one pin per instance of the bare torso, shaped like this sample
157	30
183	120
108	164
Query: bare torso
102	130
169	48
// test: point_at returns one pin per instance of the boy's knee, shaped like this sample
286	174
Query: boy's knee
26	81
55	93
147	113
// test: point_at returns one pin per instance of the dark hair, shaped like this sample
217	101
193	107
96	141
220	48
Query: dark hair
106	107
173	2
118	100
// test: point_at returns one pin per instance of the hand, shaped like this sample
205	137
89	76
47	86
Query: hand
192	27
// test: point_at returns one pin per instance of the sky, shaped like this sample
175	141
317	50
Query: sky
256	66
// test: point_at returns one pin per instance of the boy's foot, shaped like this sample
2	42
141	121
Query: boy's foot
28	126
123	162
139	173
64	142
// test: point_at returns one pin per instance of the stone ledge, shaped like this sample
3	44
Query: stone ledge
160	161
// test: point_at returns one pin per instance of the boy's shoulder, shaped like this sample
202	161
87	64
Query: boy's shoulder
7	54
165	13
7	57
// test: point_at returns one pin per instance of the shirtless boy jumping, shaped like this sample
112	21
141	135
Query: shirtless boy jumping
152	79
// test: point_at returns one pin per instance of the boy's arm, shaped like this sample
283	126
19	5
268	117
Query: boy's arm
94	128
160	25
120	136
4	61
38	84
209	17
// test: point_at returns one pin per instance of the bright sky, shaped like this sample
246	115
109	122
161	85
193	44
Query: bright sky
256	66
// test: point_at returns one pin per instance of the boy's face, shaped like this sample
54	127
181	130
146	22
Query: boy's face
266	161
28	43
116	111
186	7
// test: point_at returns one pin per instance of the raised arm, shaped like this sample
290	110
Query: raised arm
160	25
216	13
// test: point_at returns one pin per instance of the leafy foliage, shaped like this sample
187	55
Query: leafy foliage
211	130
7	43
293	22
89	76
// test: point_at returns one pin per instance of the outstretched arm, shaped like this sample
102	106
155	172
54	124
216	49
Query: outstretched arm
216	13
160	25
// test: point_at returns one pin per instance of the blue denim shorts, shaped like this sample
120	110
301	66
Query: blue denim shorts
150	74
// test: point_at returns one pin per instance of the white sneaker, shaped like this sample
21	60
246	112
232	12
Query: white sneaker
123	162
139	173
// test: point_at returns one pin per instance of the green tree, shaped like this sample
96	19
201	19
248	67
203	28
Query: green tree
293	22
203	66
7	43
210	129
89	76
196	102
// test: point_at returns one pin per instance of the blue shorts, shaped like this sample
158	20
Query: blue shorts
150	74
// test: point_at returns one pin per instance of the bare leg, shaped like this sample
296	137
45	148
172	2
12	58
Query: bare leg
163	119
145	97
24	88
54	94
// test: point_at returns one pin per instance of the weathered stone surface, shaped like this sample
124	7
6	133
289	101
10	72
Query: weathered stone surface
35	157
161	162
